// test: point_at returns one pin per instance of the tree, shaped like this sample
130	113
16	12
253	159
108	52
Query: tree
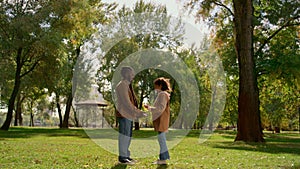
34	98
247	16
28	35
249	124
230	115
85	16
279	104
133	44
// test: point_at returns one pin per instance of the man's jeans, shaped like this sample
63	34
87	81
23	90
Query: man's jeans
163	153
125	134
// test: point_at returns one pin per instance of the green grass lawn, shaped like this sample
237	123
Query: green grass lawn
56	148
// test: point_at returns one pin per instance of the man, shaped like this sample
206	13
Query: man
127	111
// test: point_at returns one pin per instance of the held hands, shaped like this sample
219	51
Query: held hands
141	114
147	107
145	114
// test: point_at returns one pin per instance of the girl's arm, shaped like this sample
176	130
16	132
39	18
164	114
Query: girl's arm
159	105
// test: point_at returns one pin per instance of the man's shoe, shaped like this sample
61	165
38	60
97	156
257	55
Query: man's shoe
132	160
160	162
126	162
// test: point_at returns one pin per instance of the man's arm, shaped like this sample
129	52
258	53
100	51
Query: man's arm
125	107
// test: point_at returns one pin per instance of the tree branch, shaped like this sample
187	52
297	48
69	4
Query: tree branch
31	69
286	24
26	58
4	31
262	72
224	6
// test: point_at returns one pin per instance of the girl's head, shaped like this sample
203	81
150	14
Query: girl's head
162	84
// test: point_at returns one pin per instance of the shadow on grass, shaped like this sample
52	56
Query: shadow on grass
228	133
273	149
292	167
119	166
275	144
162	166
123	166
28	132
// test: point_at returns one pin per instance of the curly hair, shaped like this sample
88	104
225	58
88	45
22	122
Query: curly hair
164	83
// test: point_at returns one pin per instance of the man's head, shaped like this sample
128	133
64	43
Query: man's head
127	73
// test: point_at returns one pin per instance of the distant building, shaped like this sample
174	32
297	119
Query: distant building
90	109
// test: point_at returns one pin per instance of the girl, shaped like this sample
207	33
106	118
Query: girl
161	116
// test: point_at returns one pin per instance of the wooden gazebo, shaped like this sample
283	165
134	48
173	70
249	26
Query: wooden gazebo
90	113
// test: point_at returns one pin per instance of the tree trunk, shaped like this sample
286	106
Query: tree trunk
11	102
16	119
173	89
31	113
19	109
76	119
58	110
20	116
136	123
65	123
299	119
31	120
249	125
18	113
212	111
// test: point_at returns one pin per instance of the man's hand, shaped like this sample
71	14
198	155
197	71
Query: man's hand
142	114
